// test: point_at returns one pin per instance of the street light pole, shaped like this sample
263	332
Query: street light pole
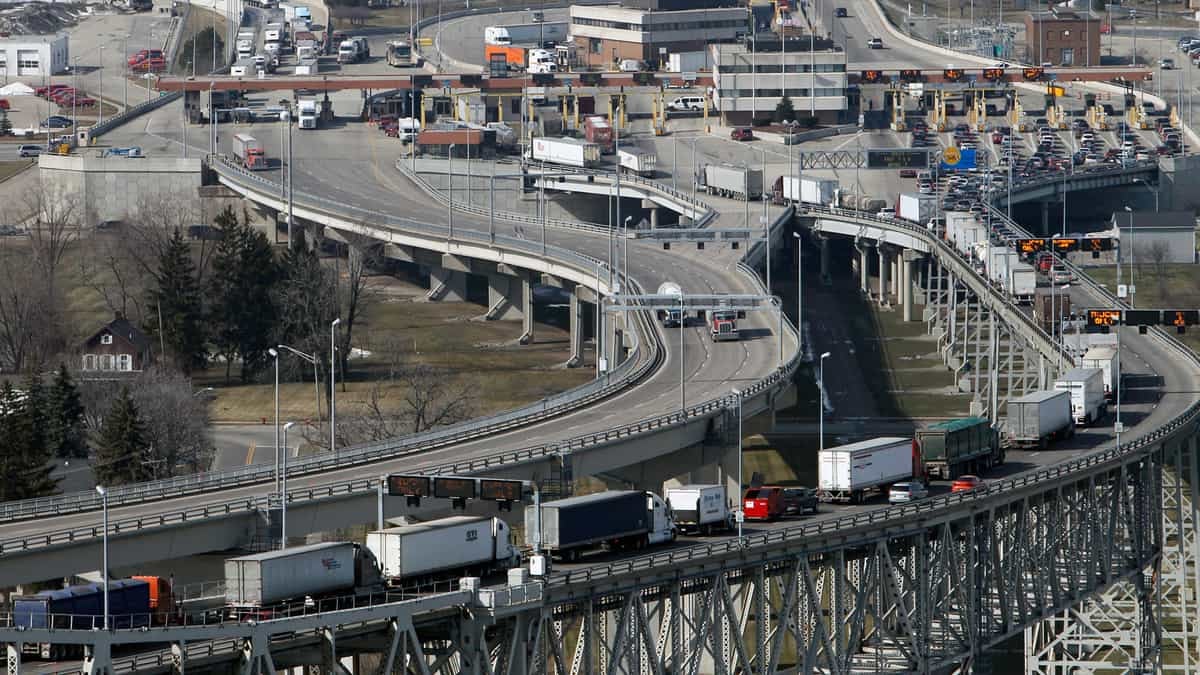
312	359
283	495
799	294
738	516
103	492
821	400
275	355
1132	283
450	190
333	384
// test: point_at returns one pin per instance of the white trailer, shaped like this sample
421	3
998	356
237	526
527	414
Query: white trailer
846	472
1087	394
687	62
455	544
809	190
964	230
270	578
737	182
1039	417
700	509
1104	358
567	151
639	162
999	260
536	34
917	208
1022	282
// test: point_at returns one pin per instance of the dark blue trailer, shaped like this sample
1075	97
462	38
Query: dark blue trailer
82	608
616	519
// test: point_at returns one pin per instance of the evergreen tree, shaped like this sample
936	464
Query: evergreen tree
306	298
175	300
785	111
65	436
23	457
5	126
243	314
123	454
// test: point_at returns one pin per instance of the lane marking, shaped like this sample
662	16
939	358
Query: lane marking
250	454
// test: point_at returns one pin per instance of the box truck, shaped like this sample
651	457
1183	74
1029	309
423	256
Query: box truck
916	208
638	162
614	520
805	189
1037	418
566	151
736	182
253	582
1086	386
458	544
249	152
1022	281
699	509
960	446
1104	358
847	472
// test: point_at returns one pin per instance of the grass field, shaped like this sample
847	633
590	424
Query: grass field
13	167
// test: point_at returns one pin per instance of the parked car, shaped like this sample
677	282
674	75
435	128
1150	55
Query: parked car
798	500
29	150
742	134
907	492
964	483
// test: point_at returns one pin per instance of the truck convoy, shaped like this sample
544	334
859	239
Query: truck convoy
1086	386
735	182
952	448
567	151
1039	417
699	509
671	318
614	520
805	190
848	472
249	152
1105	359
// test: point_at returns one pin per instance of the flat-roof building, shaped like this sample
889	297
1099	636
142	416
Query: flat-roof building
606	34
1063	38
28	56
750	82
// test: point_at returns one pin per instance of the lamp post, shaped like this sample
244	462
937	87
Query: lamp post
1132	282
799	294
103	492
74	109
311	358
100	98
333	384
450	190
821	400
625	248
275	355
283	496
737	513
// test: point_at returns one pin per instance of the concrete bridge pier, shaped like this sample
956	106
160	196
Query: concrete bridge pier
863	265
652	209
446	284
506	294
883	275
906	281
823	242
579	295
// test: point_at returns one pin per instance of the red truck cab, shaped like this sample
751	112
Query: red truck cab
597	130
723	326
763	503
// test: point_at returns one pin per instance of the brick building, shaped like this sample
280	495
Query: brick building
647	29
1063	38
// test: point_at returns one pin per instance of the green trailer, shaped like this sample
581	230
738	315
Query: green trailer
960	446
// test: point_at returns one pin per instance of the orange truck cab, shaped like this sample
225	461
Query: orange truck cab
763	503
162	602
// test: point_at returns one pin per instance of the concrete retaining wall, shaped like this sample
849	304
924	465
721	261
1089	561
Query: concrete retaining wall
118	188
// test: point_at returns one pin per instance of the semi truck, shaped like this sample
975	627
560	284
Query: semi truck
864	203
400	54
805	189
613	520
964	230
536	34
638	162
722	325
567	151
735	182
307	113
1047	303
1035	419
1022	281
353	50
848	472
955	447
596	129
916	208
249	152
671	318
256	582
1086	386
699	509
1104	358
448	545
81	607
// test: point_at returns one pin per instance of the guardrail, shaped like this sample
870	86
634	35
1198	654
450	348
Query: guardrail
140	109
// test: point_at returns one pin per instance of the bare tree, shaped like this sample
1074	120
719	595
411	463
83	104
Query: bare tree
355	292
117	276
23	322
1158	253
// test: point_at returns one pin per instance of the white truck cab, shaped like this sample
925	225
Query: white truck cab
662	520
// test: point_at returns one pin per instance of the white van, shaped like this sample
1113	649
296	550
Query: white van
630	65
687	103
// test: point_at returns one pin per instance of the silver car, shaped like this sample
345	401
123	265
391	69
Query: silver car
907	492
